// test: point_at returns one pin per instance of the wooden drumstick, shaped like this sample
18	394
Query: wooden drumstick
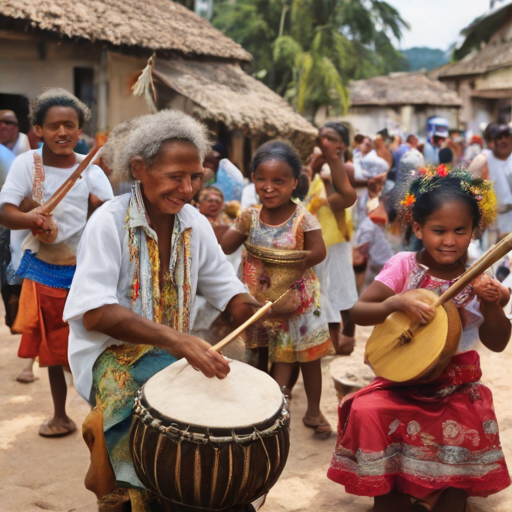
239	330
61	192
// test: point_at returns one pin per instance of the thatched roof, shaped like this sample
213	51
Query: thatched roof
489	58
150	24
224	92
402	89
435	73
494	16
491	29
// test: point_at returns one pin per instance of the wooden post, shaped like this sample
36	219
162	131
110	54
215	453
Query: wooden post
103	90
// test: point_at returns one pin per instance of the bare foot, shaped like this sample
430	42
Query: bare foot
54	427
26	376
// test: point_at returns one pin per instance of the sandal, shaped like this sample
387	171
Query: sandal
49	429
346	345
320	425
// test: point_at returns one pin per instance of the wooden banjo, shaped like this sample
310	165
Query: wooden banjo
401	350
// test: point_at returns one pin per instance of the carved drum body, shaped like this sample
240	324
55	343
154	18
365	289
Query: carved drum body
208	443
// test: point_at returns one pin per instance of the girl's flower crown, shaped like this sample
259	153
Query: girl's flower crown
425	180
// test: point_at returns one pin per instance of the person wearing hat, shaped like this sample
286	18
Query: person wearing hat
432	147
495	164
10	135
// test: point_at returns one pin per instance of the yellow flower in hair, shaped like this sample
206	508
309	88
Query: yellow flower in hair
488	206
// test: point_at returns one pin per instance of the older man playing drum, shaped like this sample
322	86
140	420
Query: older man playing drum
142	258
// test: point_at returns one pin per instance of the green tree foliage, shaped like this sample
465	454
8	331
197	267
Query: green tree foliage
309	50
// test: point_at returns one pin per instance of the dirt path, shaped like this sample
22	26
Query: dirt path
47	474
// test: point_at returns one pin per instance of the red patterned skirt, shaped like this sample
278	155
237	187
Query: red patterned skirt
422	438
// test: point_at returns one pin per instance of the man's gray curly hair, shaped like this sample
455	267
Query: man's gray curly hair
143	136
57	97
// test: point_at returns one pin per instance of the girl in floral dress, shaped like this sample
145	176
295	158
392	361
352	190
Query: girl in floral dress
433	443
299	335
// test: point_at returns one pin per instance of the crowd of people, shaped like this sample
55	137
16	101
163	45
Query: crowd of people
378	219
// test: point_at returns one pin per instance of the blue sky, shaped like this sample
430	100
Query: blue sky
437	23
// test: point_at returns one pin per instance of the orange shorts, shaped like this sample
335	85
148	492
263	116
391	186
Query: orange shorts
44	332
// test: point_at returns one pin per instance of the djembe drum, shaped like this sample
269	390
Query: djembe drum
209	444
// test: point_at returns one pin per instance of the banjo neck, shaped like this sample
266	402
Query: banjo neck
490	257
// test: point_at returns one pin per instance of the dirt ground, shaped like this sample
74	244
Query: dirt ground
47	474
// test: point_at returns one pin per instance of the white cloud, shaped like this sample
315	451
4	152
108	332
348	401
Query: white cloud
437	23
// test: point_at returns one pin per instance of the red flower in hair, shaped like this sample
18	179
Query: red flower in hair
423	171
442	171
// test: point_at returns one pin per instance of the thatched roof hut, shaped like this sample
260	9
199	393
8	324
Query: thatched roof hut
401	102
490	58
399	89
483	30
483	74
160	25
223	92
96	49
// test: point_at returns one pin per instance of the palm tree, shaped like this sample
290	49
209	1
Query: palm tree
309	50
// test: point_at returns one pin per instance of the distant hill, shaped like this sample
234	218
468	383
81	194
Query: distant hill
419	58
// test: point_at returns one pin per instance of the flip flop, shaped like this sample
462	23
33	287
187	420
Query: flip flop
319	424
26	377
56	431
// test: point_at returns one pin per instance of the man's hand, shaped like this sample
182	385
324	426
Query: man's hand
37	220
199	354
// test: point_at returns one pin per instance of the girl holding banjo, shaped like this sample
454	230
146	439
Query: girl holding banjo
142	259
435	441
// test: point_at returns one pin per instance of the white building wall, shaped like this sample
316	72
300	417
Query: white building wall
28	65
404	119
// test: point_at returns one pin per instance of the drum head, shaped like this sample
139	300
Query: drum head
244	398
